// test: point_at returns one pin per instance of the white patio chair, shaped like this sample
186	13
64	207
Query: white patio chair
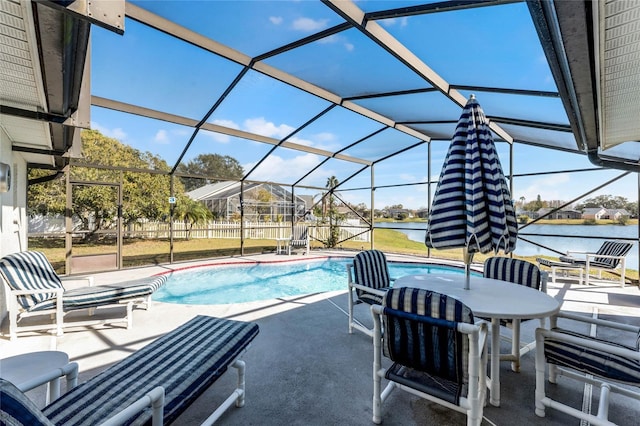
519	272
613	367
367	281
438	352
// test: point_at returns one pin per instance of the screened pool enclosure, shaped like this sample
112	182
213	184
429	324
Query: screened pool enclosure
330	112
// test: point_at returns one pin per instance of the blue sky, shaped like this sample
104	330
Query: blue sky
151	69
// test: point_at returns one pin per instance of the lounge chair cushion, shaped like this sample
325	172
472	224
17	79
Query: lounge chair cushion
550	263
30	270
592	361
18	410
186	361
107	294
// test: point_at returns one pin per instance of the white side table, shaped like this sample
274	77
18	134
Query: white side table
281	247
21	368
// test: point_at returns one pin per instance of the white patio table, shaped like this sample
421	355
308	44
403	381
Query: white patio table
488	298
24	367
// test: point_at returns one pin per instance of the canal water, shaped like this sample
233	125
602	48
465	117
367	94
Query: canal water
562	244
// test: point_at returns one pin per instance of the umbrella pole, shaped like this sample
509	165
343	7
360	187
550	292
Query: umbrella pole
468	258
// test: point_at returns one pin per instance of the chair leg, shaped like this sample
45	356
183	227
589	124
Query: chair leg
239	365
515	346
350	311
129	314
540	364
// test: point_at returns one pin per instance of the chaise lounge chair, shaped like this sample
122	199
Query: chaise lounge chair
299	239
34	289
183	363
609	257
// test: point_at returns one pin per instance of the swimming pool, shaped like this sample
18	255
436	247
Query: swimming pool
214	285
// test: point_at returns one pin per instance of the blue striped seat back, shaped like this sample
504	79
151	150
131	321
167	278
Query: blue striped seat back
29	270
612	248
18	410
513	270
370	269
420	333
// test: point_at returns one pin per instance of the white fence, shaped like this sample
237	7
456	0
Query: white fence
252	230
349	229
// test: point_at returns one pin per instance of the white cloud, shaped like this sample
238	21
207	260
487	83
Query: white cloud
551	187
227	123
116	133
349	47
221	137
324	137
308	24
276	168
266	128
334	38
407	177
161	137
276	20
391	22
300	141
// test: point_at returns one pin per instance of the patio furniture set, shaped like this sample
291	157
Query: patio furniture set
153	385
434	332
432	329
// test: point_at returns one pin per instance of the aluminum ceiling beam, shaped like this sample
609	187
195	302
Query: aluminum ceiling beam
189	122
147	18
351	13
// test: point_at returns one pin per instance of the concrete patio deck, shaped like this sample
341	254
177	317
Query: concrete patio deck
305	369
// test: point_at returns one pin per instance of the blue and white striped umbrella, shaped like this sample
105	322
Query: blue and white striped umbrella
472	206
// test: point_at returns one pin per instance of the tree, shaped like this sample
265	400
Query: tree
220	167
605	201
535	205
191	212
334	230
144	194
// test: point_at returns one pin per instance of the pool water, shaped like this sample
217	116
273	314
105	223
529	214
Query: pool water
216	285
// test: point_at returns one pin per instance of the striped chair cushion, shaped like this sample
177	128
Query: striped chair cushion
370	298
107	294
370	269
513	270
420	337
29	270
18	410
186	361
592	361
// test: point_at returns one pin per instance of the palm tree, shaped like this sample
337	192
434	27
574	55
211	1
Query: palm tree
191	212
334	231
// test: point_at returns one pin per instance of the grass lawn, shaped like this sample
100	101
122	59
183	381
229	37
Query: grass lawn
141	252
